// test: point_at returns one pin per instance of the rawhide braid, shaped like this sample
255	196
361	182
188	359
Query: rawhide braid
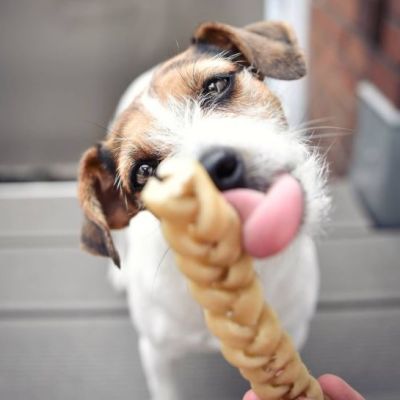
205	233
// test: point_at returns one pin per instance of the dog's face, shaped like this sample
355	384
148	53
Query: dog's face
208	102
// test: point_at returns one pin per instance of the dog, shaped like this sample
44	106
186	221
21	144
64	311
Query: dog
210	99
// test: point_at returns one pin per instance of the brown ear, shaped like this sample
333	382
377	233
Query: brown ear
102	202
270	47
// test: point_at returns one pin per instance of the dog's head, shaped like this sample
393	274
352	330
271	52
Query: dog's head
210	102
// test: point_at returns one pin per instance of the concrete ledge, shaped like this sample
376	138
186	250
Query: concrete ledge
376	159
370	94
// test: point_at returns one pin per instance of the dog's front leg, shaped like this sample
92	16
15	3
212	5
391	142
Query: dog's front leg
158	370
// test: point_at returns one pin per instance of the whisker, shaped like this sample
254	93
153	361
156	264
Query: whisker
329	148
178	47
159	265
315	121
103	128
315	133
329	135
338	128
125	200
326	127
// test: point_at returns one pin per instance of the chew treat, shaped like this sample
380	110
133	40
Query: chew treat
205	233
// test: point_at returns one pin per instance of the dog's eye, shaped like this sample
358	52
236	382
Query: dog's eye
141	173
217	86
216	89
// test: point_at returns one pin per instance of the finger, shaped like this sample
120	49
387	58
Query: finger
337	389
250	395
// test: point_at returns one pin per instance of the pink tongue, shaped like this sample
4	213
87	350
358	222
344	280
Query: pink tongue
271	220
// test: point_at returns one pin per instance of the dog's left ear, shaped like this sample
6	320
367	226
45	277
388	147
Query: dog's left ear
270	47
103	204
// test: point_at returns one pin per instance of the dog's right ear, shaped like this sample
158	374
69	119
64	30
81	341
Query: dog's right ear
270	47
103	204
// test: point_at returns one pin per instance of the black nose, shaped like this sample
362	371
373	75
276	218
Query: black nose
225	167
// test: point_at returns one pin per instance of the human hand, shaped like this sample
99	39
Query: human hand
337	389
332	386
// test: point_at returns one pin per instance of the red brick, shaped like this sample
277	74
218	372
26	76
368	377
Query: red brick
325	59
335	147
339	155
369	20
331	69
386	78
345	85
324	27
346	10
340	57
331	98
319	98
356	53
391	41
394	8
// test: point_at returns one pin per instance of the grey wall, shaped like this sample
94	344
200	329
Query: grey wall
64	65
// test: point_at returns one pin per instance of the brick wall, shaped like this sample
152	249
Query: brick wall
351	40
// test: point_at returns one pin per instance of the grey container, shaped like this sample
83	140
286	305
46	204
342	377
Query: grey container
376	163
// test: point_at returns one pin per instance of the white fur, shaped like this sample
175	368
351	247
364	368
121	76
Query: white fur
139	85
168	321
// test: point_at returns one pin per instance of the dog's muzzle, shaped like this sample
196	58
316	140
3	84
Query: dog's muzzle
270	219
225	167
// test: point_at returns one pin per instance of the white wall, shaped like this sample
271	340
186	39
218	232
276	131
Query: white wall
293	93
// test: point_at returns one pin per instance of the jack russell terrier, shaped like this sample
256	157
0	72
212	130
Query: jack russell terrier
208	102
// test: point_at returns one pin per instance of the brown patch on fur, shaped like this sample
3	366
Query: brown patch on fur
187	77
130	139
254	94
175	63
187	81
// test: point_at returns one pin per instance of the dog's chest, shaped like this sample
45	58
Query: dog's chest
160	302
163	309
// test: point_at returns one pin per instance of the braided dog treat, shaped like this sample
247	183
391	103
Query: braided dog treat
205	233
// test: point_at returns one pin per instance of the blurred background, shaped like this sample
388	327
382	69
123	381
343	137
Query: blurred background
64	332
